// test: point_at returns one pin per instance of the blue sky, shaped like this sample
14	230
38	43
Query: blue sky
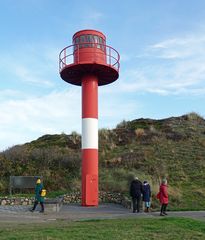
162	73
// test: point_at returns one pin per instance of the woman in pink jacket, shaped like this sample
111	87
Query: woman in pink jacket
163	197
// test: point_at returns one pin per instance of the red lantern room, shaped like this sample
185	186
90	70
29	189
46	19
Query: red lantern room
91	47
89	54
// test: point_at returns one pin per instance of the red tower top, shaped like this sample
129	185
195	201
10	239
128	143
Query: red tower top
89	54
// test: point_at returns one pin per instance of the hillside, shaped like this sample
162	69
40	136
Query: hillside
151	149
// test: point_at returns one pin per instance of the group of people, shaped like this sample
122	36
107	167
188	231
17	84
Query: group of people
142	191
138	192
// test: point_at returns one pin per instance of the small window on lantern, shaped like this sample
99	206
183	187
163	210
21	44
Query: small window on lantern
86	41
101	44
76	41
90	40
96	39
82	40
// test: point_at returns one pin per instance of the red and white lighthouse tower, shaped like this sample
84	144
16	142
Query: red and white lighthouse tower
89	63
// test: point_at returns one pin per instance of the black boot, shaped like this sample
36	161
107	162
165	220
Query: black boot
42	207
34	207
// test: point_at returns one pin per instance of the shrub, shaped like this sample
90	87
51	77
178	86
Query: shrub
139	132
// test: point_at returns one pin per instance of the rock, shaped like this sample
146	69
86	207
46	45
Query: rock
3	202
17	201
24	203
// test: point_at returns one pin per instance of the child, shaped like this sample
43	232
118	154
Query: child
146	195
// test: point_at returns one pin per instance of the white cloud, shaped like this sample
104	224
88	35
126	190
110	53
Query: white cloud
11	93
35	65
185	47
125	57
25	119
174	66
31	117
28	74
114	108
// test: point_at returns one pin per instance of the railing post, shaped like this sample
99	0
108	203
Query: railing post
109	55
59	62
64	57
78	53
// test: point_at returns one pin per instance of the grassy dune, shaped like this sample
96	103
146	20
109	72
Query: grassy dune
147	148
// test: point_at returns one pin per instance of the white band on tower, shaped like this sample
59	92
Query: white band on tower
89	133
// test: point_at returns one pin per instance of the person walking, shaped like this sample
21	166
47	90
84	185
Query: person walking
38	197
146	195
136	192
163	197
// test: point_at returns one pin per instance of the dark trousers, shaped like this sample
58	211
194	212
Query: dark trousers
136	203
35	205
163	208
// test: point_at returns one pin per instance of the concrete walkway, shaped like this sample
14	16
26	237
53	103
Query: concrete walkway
21	214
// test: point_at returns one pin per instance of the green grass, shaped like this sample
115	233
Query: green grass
140	229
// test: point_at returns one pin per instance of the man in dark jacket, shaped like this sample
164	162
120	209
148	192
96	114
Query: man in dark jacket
136	192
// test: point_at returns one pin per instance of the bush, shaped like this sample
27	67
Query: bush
139	132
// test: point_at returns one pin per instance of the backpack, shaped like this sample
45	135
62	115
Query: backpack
43	192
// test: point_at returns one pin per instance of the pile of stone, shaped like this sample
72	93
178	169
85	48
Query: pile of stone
16	201
75	197
104	197
119	198
110	197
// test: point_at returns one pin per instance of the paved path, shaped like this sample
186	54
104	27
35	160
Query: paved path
21	214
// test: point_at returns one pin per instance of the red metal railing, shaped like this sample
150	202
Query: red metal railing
66	56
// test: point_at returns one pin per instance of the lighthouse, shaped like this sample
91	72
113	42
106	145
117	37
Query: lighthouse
89	63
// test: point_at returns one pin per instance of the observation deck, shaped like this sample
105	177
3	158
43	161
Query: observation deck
89	55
